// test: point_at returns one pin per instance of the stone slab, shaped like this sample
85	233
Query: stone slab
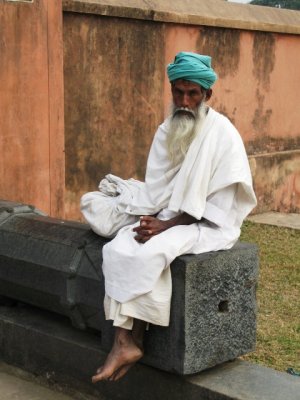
56	265
10	208
45	344
291	220
246	381
205	12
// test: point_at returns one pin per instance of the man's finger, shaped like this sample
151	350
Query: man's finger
142	239
143	232
138	229
147	218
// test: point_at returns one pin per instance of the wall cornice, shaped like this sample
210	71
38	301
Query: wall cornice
217	13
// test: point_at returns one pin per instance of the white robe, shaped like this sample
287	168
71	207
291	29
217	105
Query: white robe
213	184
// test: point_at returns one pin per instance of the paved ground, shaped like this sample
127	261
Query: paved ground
16	384
14	387
276	218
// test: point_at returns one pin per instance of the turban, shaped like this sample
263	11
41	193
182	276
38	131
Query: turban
192	67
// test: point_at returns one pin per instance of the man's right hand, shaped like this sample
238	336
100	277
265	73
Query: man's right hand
149	227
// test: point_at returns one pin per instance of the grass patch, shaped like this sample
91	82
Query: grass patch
278	295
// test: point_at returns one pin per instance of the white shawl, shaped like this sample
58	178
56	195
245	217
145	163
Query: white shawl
216	159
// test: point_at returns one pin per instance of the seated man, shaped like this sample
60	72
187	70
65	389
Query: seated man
197	191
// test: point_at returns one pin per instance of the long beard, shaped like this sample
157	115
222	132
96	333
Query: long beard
184	126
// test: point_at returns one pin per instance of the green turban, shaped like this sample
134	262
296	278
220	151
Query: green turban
192	67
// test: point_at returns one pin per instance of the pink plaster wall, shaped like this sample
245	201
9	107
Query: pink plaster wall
241	93
258	73
31	104
126	81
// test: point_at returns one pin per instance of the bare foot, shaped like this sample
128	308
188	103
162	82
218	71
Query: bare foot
124	353
121	372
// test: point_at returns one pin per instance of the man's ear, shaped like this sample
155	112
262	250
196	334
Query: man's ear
208	94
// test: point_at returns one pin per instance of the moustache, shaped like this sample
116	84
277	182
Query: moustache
184	111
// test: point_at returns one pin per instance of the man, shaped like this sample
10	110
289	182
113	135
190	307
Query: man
197	191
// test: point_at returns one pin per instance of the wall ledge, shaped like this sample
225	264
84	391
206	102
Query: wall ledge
217	13
275	153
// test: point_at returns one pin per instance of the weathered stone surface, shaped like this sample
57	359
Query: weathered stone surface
56	265
10	208
213	310
46	345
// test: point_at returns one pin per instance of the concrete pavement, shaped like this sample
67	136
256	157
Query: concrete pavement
279	219
16	384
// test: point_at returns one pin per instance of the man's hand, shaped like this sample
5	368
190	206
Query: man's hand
150	226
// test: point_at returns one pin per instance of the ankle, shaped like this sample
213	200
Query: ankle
138	331
122	336
138	342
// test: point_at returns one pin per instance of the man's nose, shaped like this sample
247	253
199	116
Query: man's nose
185	101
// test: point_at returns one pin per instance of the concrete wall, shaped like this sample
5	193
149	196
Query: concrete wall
31	104
116	92
257	90
112	107
116	89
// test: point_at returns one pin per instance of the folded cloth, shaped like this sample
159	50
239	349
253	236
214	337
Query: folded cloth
105	210
108	188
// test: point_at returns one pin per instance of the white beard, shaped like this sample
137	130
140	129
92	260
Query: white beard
184	127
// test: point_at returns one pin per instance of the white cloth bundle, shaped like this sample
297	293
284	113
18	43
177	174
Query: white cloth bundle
105	210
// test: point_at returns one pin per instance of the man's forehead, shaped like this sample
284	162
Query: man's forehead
186	84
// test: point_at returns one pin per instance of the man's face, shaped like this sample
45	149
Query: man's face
188	94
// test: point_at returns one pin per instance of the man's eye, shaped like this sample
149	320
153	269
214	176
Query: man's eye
178	92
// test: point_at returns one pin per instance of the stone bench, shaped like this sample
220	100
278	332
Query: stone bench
56	265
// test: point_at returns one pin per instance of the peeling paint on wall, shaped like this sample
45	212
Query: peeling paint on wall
263	56
223	45
114	77
276	181
230	115
268	144
261	117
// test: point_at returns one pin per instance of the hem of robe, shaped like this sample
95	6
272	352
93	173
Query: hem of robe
152	307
